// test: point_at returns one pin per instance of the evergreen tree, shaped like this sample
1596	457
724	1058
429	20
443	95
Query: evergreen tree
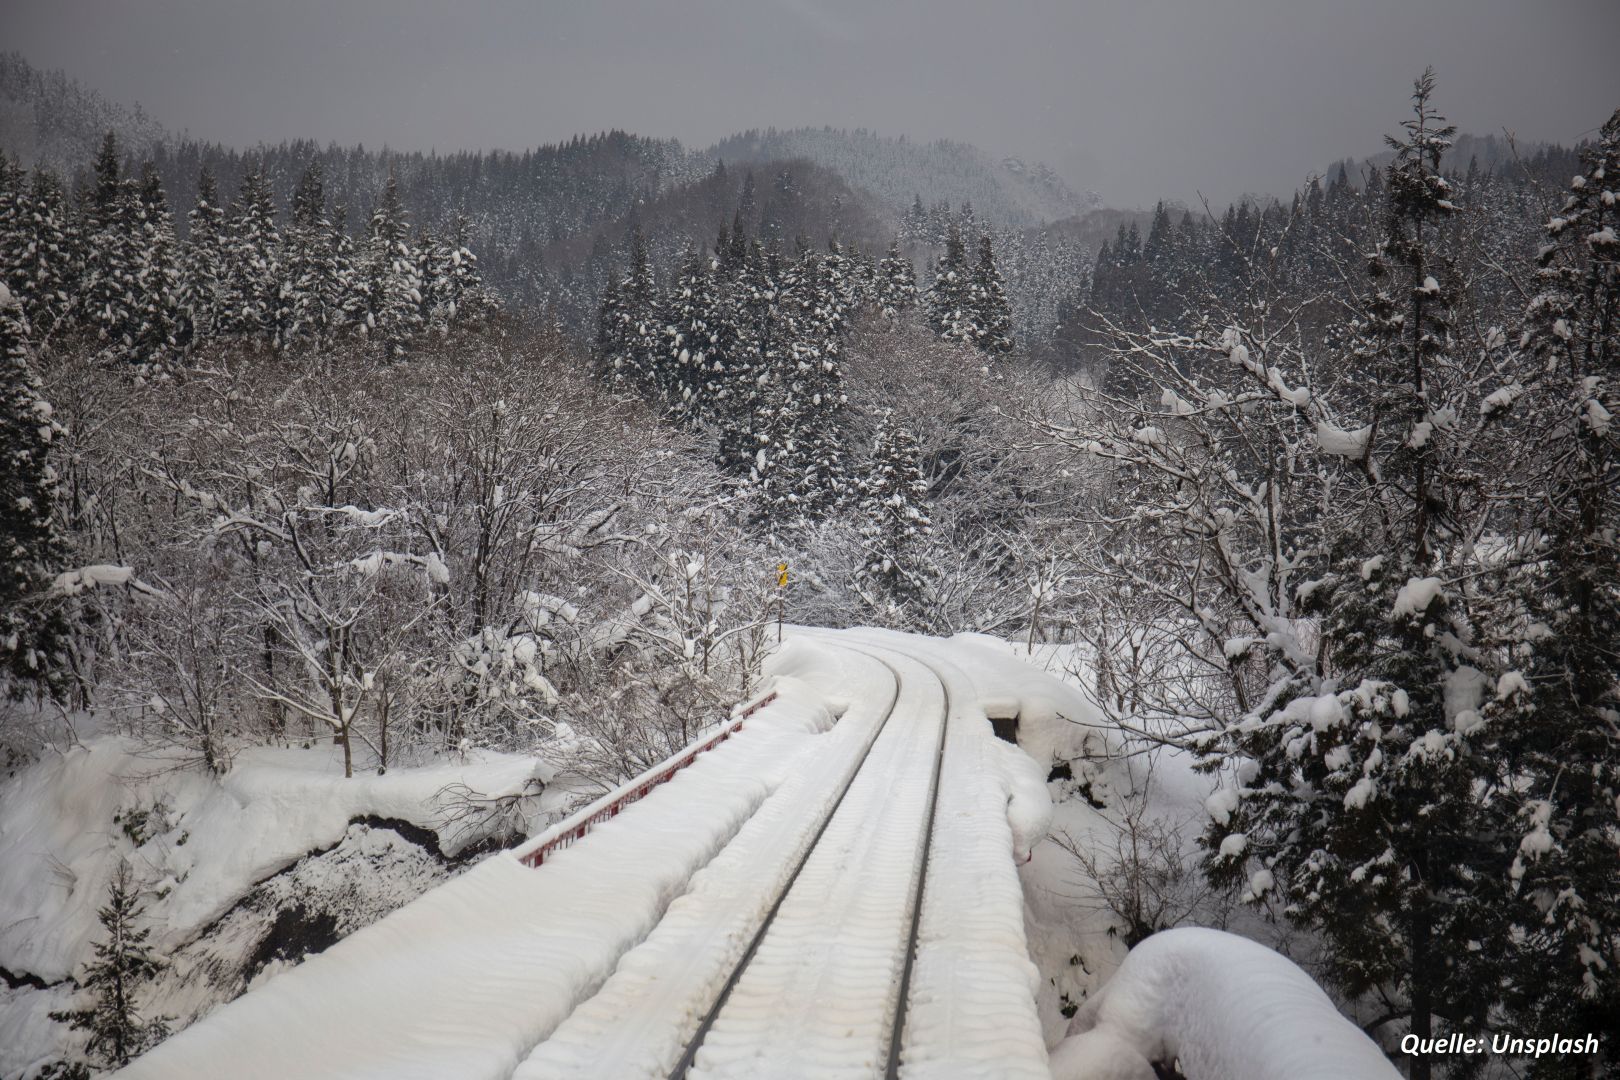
456	294
14	231
990	313
630	336
1358	792
388	307
109	291
31	632
123	964
38	252
1556	719
762	340
157	299
308	299
347	288
693	345
948	301
894	520
250	306
202	283
806	418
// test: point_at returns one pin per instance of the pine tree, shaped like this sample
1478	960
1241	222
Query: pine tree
389	300
251	302
37	248
109	291
894	520
990	313
31	632
638	360
948	298
1358	791
896	283
202	284
762	341
14	229
123	964
345	303
806	419
453	292
158	314
1557	719
307	294
692	343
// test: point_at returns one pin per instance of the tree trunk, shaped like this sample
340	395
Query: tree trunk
1422	1022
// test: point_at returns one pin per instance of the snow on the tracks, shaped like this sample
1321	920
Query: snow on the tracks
972	1004
640	1020
817	998
465	980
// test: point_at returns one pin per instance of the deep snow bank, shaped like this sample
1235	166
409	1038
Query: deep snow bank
1224	1007
208	854
201	842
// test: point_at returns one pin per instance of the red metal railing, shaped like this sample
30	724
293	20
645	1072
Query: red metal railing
533	852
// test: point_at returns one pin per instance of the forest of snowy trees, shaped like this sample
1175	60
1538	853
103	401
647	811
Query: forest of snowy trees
1327	490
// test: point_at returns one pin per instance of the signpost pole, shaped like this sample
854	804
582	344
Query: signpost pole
781	597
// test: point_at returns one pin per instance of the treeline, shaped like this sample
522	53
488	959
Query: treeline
106	265
1305	245
516	205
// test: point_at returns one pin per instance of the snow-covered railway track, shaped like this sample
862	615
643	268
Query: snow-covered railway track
823	987
664	995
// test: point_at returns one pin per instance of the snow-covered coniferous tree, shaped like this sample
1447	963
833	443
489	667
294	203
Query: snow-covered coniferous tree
894	520
202	282
308	297
1557	713
388	306
123	964
949	298
991	313
896	283
250	304
31	551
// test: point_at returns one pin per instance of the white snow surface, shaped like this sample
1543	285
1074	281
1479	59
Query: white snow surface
198	845
1338	442
1416	595
209	840
1225	1007
817	996
972	1004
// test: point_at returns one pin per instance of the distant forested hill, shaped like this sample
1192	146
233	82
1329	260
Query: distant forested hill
49	119
896	170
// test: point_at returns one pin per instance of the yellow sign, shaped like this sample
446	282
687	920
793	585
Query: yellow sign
781	575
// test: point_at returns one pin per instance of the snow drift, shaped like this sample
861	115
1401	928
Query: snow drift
1224	1007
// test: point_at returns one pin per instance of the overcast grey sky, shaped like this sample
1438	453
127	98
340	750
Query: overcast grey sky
1136	100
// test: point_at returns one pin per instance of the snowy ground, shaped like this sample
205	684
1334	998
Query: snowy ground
279	857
